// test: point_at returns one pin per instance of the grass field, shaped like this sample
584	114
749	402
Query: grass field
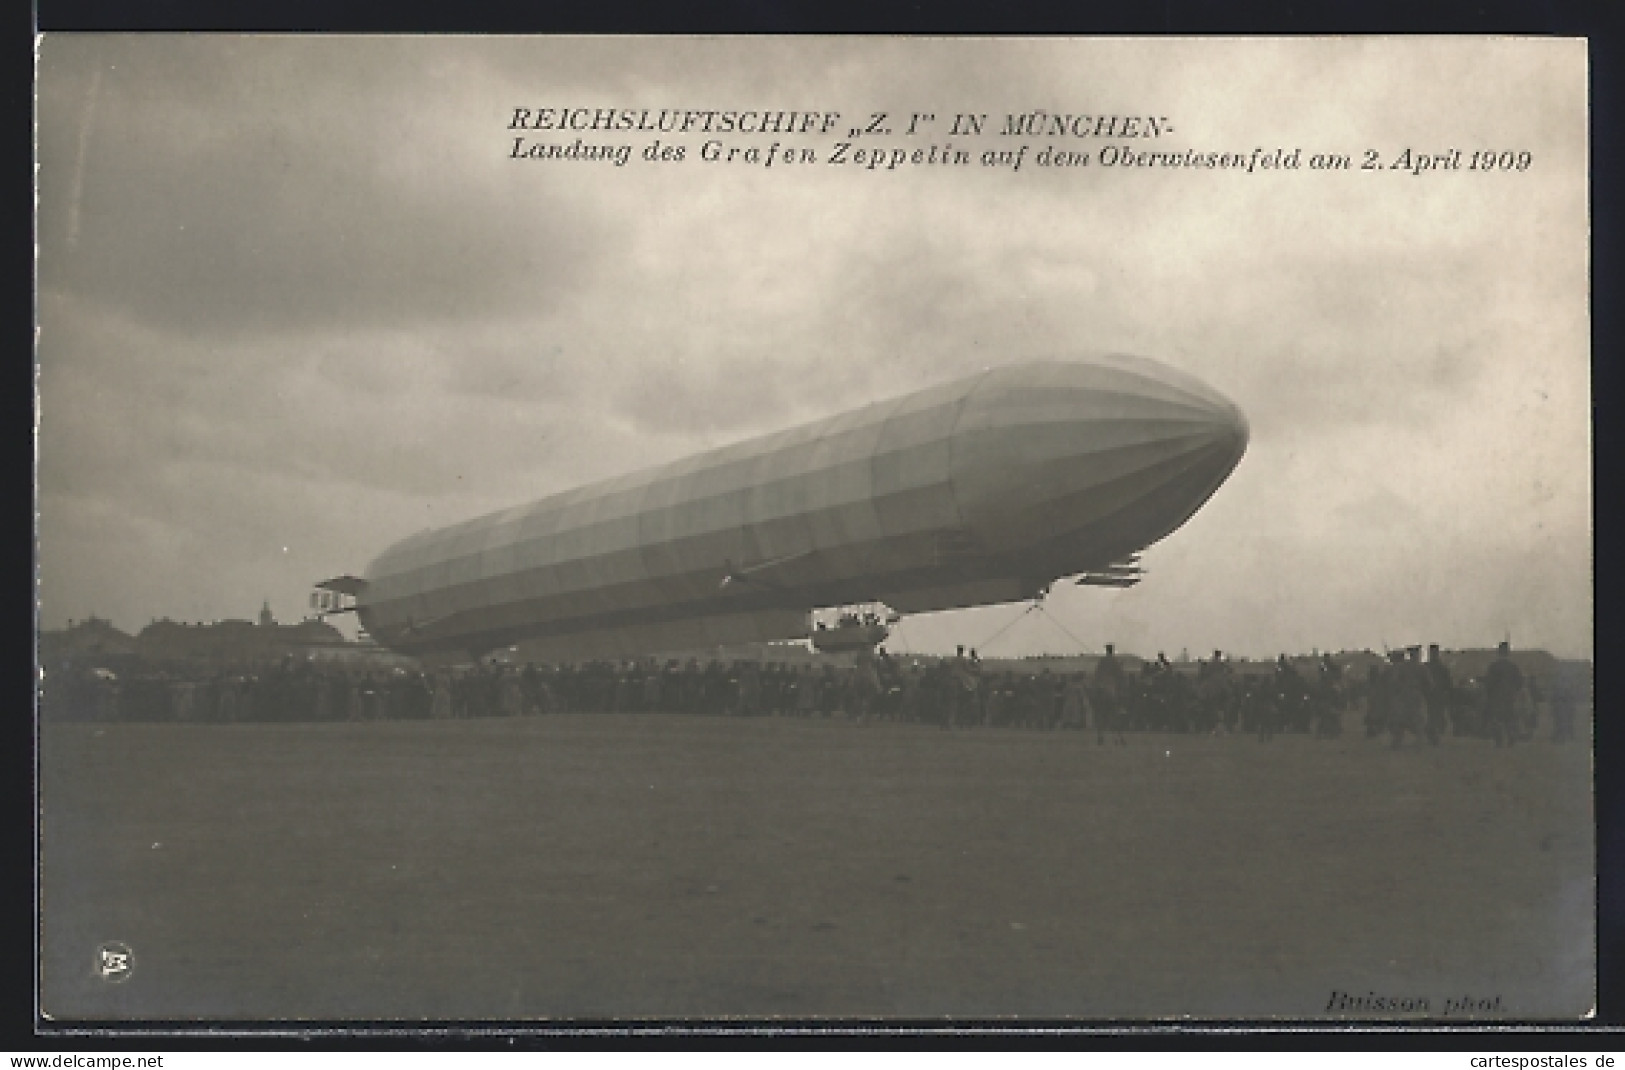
593	866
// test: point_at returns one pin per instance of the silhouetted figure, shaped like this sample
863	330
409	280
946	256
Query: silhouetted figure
1503	683
1407	706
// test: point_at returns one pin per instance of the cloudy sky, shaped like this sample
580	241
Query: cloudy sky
296	301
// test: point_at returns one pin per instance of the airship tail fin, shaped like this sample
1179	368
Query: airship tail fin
1124	573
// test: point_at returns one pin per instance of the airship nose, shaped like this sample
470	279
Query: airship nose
1212	426
1215	449
1094	458
1235	432
1216	425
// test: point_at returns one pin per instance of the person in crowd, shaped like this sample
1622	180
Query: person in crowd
1328	698
1503	683
1441	695
1566	695
1109	685
1289	699
1376	701
1407	705
1213	680
1075	704
440	702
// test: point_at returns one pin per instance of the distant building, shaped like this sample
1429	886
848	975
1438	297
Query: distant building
92	641
1466	664
234	641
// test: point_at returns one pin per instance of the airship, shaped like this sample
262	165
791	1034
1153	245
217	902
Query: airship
984	490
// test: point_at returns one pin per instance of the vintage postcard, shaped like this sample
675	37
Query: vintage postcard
581	529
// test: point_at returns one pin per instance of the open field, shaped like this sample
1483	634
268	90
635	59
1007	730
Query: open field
656	866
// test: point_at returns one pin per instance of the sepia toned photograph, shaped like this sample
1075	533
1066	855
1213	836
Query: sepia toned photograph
589	529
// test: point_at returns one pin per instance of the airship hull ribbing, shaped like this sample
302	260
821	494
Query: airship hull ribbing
977	491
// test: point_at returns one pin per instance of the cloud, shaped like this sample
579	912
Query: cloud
241	188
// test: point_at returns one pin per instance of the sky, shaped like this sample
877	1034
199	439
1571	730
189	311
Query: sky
296	300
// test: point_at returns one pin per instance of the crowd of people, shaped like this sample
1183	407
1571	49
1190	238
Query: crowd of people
1406	700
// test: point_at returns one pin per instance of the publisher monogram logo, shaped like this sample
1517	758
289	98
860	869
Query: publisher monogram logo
114	961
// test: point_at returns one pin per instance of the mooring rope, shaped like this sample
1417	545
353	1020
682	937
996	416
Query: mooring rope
1053	620
1011	624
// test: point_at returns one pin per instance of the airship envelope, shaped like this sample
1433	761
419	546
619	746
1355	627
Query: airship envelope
978	491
